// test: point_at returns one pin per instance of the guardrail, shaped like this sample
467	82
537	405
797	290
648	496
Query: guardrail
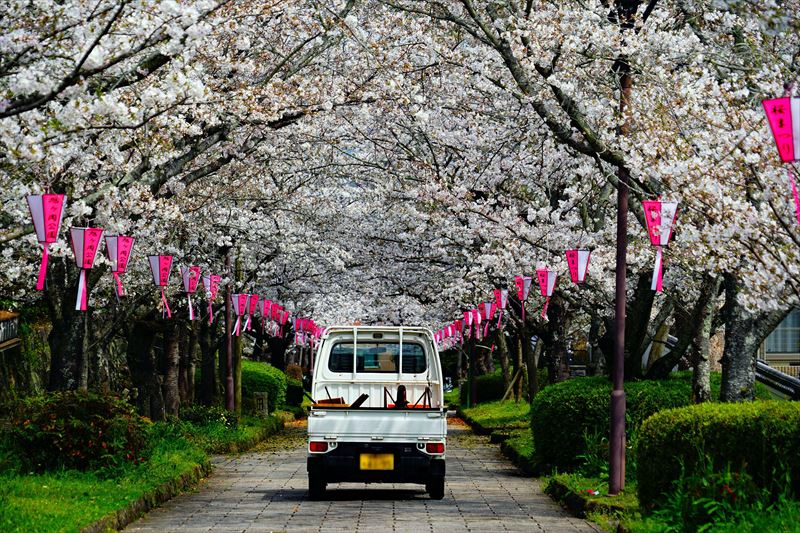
778	381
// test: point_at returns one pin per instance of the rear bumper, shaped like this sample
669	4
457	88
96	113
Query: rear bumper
342	464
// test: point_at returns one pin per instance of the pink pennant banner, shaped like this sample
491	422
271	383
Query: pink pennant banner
211	286
191	277
47	211
160	268
119	249
266	313
500	300
240	302
783	115
578	263
660	218
547	283
476	321
251	311
85	243
523	284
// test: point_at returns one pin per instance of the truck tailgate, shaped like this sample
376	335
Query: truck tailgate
386	424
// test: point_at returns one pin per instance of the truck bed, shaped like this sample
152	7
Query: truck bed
388	425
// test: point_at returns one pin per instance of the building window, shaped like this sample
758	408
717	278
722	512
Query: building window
786	337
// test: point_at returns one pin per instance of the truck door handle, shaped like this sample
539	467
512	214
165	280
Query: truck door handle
376	437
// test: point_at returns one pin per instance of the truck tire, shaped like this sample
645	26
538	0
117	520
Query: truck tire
435	487
316	487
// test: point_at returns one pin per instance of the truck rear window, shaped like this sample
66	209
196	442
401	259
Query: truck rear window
377	357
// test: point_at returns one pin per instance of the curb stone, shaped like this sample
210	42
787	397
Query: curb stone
498	436
150	499
116	520
577	504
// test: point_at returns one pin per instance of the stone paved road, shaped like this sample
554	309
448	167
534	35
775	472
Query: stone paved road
266	490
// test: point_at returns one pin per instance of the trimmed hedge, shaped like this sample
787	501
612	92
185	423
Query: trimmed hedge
562	414
294	393
261	377
760	438
490	388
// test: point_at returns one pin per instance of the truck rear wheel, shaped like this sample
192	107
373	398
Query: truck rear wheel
435	487
316	486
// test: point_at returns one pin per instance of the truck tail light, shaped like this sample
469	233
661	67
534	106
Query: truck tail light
319	447
434	447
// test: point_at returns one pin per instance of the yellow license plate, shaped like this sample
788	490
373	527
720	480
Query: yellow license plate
376	461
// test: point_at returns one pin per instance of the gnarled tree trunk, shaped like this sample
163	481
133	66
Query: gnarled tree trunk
744	332
208	365
172	398
704	320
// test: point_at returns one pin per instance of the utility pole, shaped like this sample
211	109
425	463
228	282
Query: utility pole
616	482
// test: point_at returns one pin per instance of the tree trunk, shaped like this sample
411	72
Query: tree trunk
473	374
237	375
531	356
259	354
144	371
519	365
744	333
277	350
557	344
597	361
459	365
637	319
172	399
183	362
66	336
208	365
502	352
704	319
662	367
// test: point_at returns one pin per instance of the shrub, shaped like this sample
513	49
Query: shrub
759	439
706	497
263	377
76	430
565	413
294	372
200	415
490	388
294	393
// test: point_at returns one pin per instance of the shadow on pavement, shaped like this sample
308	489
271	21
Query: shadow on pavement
345	494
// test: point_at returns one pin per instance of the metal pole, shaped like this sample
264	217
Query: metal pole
230	403
616	482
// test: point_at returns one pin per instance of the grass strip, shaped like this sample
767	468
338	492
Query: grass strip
72	500
584	495
518	447
489	417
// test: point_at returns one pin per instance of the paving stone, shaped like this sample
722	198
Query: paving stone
267	491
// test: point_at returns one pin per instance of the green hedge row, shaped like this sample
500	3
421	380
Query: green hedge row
263	377
760	439
563	414
490	388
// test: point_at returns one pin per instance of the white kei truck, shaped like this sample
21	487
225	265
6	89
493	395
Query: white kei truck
378	414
